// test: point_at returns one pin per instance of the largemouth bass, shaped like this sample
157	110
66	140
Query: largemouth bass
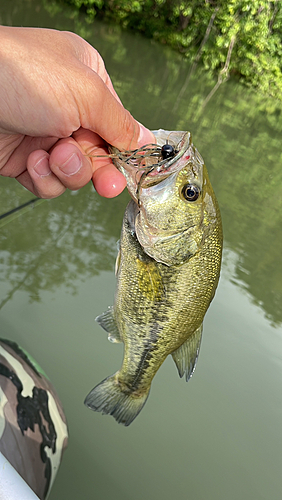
167	270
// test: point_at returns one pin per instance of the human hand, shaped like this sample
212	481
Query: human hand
57	108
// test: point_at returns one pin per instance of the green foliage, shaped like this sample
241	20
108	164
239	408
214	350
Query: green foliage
240	36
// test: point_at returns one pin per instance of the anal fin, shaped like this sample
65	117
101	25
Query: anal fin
107	321
185	357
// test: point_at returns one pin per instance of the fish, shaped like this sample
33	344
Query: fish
167	269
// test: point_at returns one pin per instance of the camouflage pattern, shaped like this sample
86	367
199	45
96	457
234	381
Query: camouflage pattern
33	428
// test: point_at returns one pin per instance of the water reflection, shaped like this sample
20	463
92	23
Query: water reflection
238	133
58	241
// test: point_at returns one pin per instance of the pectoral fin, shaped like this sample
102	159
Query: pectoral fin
107	321
150	280
185	357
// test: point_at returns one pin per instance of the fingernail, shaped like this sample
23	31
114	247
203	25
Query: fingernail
145	136
42	167
72	165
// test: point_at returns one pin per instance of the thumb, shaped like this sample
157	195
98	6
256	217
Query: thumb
103	114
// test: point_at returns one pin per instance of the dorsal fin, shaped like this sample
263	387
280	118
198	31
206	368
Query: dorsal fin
185	357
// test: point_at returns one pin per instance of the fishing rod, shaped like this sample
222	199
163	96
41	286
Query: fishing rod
12	214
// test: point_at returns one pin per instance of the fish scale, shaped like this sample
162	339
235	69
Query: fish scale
167	273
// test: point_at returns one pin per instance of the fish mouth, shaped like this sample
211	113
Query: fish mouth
146	167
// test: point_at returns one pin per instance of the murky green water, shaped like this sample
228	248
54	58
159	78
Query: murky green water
218	437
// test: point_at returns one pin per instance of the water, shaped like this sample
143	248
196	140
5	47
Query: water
219	436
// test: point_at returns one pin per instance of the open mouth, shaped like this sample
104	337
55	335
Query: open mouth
161	162
151	164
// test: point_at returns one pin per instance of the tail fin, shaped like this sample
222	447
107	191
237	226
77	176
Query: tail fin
110	398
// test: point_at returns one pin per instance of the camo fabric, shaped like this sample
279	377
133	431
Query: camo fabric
33	428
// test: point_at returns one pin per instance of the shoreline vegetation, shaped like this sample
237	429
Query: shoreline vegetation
238	37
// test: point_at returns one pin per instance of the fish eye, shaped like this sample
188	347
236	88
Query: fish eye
167	151
191	192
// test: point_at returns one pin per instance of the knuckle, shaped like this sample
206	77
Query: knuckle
49	190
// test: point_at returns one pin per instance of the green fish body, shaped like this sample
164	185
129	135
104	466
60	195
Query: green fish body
167	272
